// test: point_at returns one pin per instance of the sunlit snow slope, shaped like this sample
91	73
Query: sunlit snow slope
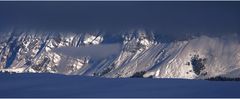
141	55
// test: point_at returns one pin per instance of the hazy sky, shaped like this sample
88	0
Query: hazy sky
112	17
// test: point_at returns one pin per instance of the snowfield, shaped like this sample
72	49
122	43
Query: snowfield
55	85
137	64
145	49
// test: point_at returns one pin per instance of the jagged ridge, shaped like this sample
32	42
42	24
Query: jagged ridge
141	53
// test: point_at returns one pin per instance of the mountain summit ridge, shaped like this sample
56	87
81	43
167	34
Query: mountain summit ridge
141	54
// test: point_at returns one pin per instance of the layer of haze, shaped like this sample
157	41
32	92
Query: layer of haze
170	18
94	51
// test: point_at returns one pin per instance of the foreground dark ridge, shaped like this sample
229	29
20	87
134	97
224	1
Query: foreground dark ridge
219	78
53	85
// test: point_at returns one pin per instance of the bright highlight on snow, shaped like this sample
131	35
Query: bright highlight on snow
139	54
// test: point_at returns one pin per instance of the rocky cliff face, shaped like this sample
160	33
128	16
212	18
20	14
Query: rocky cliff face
142	55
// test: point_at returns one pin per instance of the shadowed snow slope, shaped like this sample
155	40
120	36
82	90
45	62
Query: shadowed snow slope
53	85
125	55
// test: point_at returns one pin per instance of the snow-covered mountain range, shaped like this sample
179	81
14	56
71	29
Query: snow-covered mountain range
142	54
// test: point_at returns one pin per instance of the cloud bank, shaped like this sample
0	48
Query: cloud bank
93	51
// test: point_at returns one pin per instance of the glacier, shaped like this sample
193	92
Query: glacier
141	53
